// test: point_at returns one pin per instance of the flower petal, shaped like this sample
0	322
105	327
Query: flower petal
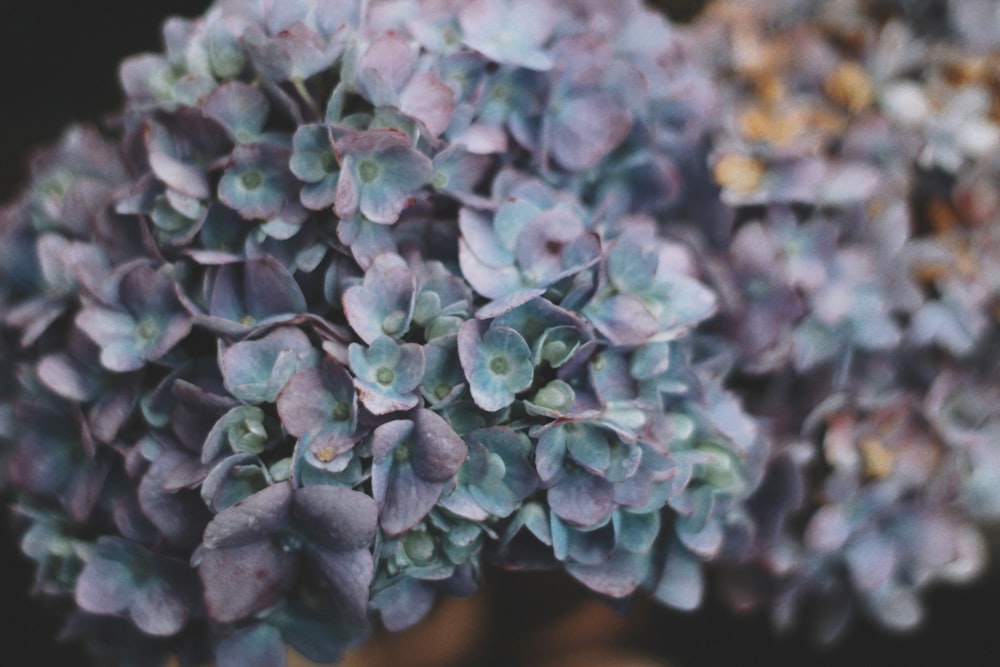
335	518
250	520
241	581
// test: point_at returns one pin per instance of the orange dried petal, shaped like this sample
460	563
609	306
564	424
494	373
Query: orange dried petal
850	86
741	173
876	458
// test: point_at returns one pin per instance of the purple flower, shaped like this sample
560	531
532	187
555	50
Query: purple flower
256	370
497	363
386	77
144	323
158	593
523	247
414	461
242	109
253	551
242	296
321	406
258	185
509	31
380	173
383	304
387	374
496	477
314	162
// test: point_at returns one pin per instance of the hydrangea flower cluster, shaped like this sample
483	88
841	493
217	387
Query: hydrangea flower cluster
357	297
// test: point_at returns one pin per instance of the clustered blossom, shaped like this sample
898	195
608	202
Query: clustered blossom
356	298
857	284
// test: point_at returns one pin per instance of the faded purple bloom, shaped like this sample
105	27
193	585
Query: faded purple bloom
258	185
523	247
457	172
497	363
242	109
293	51
643	296
386	77
314	162
181	148
145	325
381	171
357	297
256	370
414	460
253	551
244	295
383	304
123	579
509	31
321	403
387	374
496	477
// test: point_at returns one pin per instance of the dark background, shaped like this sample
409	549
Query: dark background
59	65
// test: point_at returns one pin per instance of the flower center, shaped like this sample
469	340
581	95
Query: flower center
502	91
289	542
252	180
147	329
442	391
401	453
451	37
385	376
340	412
368	171
439	180
324	454
54	188
499	365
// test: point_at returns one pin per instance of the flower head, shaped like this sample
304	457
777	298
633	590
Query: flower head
387	374
381	171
